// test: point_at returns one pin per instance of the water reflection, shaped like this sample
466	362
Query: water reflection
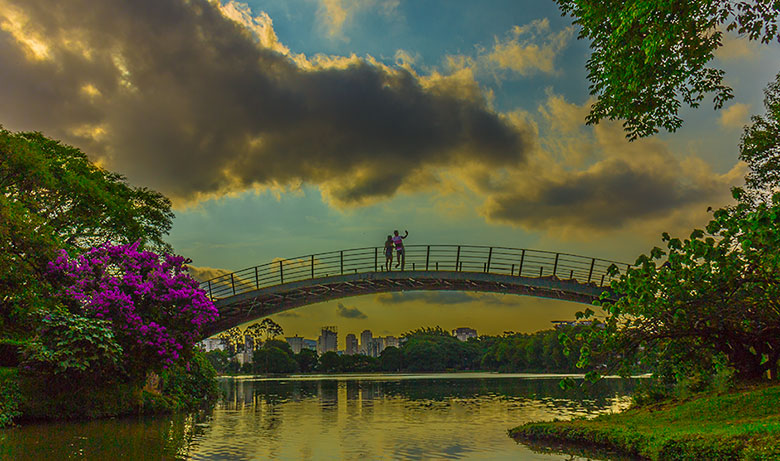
398	417
345	417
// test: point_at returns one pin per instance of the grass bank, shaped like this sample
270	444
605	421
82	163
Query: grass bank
743	424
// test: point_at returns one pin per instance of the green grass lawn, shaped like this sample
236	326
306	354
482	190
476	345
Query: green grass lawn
742	424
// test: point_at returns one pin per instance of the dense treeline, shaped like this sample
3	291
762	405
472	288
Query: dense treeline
422	350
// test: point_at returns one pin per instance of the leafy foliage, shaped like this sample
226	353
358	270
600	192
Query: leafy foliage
10	397
538	352
760	145
266	327
52	197
72	347
423	349
233	339
156	310
648	58
715	295
192	384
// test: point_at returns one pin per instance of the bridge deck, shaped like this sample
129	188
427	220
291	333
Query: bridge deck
284	284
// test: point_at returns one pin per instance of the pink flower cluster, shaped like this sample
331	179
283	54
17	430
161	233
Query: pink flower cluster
156	308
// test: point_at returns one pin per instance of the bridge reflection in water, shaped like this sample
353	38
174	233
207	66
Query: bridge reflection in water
282	284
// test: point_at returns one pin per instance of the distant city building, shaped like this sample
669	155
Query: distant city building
249	344
391	341
352	345
212	344
328	340
570	323
366	337
463	334
296	343
243	357
309	344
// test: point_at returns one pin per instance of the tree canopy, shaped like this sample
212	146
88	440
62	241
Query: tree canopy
51	198
760	145
155	309
650	57
713	296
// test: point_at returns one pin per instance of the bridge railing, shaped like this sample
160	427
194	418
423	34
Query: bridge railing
454	258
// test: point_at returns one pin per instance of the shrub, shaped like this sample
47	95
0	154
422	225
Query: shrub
192	385
155	308
72	349
10	396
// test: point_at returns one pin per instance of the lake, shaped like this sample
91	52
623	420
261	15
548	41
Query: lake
354	417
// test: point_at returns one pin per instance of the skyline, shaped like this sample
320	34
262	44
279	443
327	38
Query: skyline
283	128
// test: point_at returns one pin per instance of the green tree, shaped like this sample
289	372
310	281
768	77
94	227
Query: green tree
330	362
714	294
307	360
255	332
359	363
219	359
650	57
760	145
233	339
73	350
271	359
271	328
51	198
391	359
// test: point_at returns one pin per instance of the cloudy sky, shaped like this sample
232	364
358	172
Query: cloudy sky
287	127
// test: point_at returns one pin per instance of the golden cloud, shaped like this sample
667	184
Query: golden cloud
199	99
734	116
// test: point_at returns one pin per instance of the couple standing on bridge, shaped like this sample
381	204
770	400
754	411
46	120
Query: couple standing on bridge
396	241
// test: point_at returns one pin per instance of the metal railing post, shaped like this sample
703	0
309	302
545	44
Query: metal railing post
590	272
376	259
541	270
520	269
342	261
490	256
233	284
512	271
427	256
257	279
555	266
281	271
457	260
211	297
602	281
312	266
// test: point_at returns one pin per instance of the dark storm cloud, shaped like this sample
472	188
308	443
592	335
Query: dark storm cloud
349	312
181	99
607	196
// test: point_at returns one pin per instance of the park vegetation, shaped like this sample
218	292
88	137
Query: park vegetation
701	313
649	58
97	317
421	350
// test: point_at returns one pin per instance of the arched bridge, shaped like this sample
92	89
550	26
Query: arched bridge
283	284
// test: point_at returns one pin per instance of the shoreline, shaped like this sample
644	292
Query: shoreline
740	424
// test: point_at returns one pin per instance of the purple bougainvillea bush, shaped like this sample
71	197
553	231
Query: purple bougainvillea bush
155	308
